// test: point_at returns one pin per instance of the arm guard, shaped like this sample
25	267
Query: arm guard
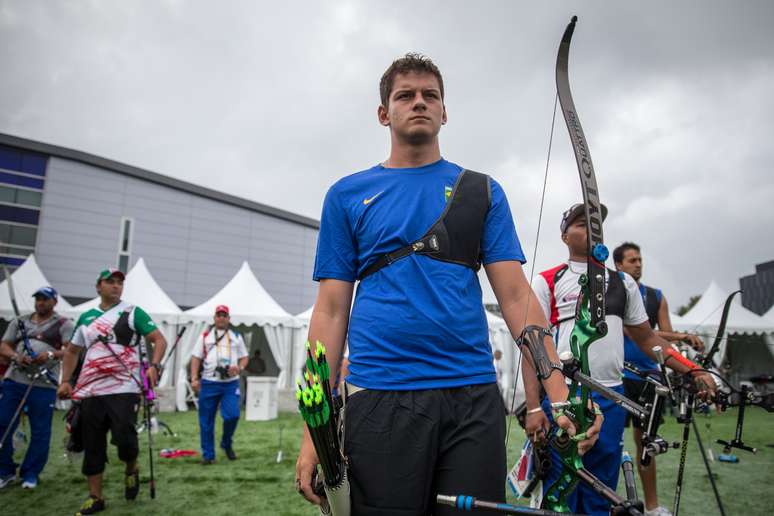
532	337
671	353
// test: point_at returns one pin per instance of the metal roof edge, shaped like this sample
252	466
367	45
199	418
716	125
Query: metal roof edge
154	177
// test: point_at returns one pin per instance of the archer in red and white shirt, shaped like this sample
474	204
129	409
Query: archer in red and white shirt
558	291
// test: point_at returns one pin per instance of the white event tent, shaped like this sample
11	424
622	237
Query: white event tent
250	305
26	280
299	343
769	316
141	289
704	319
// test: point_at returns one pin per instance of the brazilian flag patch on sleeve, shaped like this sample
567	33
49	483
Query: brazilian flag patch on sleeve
447	191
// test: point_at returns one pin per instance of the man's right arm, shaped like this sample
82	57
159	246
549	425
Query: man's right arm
197	356
329	322
7	351
7	346
70	359
69	362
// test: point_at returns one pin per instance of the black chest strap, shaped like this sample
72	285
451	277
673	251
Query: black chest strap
50	334
122	331
615	296
652	304
456	236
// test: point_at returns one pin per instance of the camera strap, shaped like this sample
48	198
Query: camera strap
217	346
205	349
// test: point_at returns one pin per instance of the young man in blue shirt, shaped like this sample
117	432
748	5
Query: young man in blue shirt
424	414
628	259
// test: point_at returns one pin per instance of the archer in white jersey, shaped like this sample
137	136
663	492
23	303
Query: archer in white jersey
558	291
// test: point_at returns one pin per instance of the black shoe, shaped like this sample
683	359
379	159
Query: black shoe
91	506
230	454
208	462
132	484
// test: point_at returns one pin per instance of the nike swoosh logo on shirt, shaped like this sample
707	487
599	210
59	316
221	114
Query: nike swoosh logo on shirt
368	201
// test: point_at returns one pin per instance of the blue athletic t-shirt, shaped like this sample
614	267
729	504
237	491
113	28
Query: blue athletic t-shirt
632	353
418	323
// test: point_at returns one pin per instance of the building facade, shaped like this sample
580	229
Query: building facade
80	213
758	288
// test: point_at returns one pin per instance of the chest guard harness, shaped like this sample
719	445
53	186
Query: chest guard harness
456	236
533	336
50	334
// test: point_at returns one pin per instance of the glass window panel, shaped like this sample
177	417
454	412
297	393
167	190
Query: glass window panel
29	197
125	235
7	194
10	159
21	235
5	233
123	262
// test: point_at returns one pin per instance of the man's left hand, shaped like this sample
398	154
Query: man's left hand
41	359
233	370
537	426
153	376
694	341
705	384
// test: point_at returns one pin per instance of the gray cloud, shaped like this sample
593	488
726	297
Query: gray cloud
274	103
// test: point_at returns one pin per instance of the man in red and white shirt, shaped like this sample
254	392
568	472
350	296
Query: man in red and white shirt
558	289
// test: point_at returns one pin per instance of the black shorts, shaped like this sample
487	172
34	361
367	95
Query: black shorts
114	412
642	393
405	447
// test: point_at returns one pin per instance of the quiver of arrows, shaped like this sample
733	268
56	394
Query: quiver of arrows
320	413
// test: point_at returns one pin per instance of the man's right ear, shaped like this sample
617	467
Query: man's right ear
383	115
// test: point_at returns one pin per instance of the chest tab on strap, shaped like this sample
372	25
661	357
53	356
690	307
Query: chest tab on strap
456	236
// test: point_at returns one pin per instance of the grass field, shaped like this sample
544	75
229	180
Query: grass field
257	485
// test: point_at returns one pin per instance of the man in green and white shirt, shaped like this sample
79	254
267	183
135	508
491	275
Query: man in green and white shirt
109	385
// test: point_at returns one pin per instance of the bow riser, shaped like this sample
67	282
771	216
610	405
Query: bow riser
590	310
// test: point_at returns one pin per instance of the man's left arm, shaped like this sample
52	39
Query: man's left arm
646	339
153	337
159	344
520	308
638	328
65	334
243	357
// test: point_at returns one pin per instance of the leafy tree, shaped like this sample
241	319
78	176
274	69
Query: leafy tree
690	304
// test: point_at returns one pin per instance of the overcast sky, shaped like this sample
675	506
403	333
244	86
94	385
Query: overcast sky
275	101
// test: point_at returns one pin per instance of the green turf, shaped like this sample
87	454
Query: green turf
257	485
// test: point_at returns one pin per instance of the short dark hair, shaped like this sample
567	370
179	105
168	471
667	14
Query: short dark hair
618	252
411	62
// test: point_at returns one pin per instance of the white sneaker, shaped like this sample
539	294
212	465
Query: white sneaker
658	511
7	480
29	484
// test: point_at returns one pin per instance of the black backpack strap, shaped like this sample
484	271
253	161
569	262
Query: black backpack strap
456	235
652	304
615	296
